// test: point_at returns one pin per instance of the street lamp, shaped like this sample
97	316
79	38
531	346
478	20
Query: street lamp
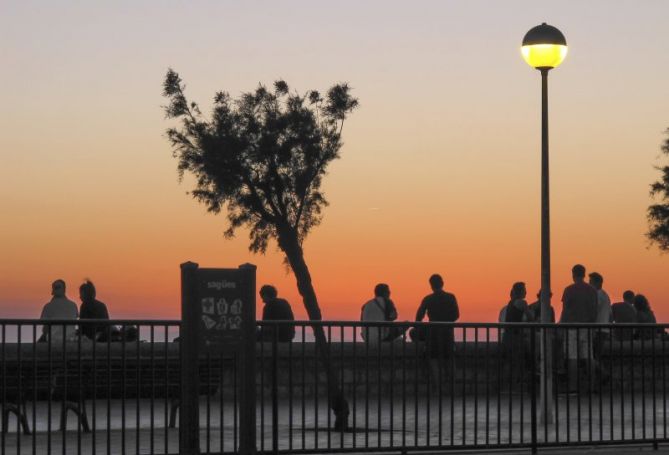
544	48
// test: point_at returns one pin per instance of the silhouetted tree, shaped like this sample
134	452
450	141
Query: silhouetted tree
658	214
261	158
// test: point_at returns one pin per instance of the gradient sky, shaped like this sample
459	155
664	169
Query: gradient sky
439	171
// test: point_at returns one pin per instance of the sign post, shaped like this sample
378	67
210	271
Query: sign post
218	313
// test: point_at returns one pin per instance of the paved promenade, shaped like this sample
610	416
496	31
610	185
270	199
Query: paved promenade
416	423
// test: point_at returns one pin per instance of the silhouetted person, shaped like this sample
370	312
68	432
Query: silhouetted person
604	315
379	309
440	306
535	310
60	307
275	309
514	339
91	308
624	313
579	305
644	315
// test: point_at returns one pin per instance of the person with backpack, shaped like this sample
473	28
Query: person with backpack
379	309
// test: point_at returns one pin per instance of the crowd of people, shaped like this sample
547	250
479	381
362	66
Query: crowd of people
582	302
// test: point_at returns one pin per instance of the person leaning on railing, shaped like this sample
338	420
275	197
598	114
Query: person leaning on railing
624	313
645	315
276	309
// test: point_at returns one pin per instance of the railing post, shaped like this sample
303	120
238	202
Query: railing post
189	415
533	388
247	402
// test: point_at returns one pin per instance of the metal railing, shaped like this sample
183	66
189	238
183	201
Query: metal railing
434	386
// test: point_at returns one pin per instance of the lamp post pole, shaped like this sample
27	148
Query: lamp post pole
545	47
546	386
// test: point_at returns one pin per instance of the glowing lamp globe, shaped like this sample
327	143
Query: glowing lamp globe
544	47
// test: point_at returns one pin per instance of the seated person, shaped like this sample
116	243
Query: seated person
60	307
624	313
379	309
275	309
91	309
535	310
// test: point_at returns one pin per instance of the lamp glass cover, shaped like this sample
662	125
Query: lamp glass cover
544	55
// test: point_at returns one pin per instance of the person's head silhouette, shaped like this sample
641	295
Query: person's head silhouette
382	290
268	293
596	280
578	273
87	291
518	291
641	303
58	288
628	297
436	282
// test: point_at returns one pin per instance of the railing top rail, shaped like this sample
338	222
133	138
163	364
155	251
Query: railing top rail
461	324
90	321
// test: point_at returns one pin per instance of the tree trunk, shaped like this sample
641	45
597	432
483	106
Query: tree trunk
290	245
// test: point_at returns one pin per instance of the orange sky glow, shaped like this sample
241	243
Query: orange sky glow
439	171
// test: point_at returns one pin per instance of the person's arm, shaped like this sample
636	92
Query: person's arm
392	310
422	309
456	310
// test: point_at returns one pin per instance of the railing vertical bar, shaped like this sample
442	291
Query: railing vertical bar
152	362
235	403
511	357
600	360
138	377
208	385
392	389
275	390
557	335
533	392
487	386
475	364
424	329
643	385
81	402
20	398
611	382
578	383
65	392
404	391
221	401
621	355
632	403
568	365
653	352
341	377
367	388
290	395
262	394
464	384
124	374
3	436
431	359
168	395
304	386
440	380
591	370
664	385
355	386
34	400
379	386
499	385
329	387
521	379
316	378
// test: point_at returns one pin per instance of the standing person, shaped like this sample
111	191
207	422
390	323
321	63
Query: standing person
579	305
514	339
60	307
624	313
379	309
604	315
535	310
440	306
91	309
275	309
644	315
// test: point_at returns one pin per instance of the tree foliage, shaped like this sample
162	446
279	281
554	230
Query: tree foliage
658	214
261	157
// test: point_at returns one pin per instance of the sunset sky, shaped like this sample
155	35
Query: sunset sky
440	169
